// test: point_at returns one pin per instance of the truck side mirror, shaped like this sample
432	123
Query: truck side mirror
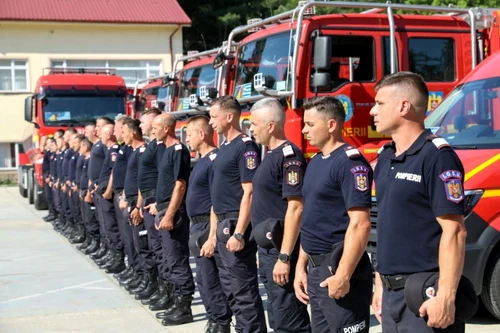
321	81
322	53
28	109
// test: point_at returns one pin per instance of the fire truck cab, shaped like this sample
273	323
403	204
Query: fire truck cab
66	97
297	55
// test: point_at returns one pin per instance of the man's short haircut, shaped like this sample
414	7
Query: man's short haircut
228	104
106	120
328	106
50	139
121	118
79	137
133	125
71	130
58	133
154	111
203	122
87	143
410	82
276	112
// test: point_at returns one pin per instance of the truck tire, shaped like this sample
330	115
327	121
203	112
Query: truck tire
23	191
23	174
39	197
30	187
491	287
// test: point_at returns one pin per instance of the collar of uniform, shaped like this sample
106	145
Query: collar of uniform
415	147
238	137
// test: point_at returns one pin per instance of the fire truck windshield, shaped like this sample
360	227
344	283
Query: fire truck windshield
470	116
194	78
271	56
80	110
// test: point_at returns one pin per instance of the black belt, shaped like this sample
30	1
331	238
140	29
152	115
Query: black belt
316	259
230	215
162	206
394	282
199	218
147	194
132	199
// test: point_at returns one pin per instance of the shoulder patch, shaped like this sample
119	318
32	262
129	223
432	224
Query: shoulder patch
115	146
292	177
178	147
120	151
212	157
360	173
246	139
250	160
288	151
142	149
440	143
453	185
351	151
292	162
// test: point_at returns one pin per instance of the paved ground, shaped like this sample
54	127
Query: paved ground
46	285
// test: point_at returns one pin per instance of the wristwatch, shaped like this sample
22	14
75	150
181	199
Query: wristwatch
283	257
238	236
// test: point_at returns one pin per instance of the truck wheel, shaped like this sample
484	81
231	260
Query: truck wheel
30	188
491	288
23	191
39	198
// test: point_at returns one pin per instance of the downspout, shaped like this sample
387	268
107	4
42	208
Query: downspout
172	48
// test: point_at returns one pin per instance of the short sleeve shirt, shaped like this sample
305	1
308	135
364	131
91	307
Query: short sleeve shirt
84	180
120	167
198	200
46	163
333	184
108	164
148	166
412	189
279	177
131	186
59	163
97	155
174	166
236	163
79	168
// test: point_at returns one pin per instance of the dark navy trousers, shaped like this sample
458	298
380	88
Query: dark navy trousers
396	318
109	223
238	275
350	313
48	196
209	285
153	235
125	232
286	313
176	253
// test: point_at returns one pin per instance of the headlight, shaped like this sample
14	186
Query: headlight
471	199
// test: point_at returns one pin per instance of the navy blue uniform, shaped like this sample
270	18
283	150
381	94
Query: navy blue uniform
413	189
62	167
106	207
97	155
199	204
73	200
279	177
125	229
89	209
46	171
174	166
147	180
236	163
334	184
143	261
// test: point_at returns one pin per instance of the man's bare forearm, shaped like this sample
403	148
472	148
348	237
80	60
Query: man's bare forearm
293	219
177	196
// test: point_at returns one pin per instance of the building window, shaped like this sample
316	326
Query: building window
130	70
13	76
433	58
7	156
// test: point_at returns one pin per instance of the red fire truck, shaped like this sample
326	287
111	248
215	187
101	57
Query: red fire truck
469	119
66	97
297	55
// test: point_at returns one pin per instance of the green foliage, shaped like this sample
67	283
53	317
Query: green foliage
213	20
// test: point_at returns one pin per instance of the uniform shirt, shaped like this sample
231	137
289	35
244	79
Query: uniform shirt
107	165
79	168
198	200
236	163
53	166
46	163
68	154
412	189
148	171
131	186
333	184
72	166
120	167
59	163
174	165
97	155
84	180
279	177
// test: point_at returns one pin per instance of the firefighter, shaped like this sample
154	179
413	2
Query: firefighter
420	200
172	221
67	204
233	169
59	181
114	261
75	191
58	222
333	271
277	194
78	235
199	205
46	171
143	262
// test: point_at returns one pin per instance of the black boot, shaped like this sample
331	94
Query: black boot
218	328
103	250
182	313
105	259
93	246
149	290
124	274
86	243
157	294
109	258
146	277
117	264
163	303
134	282
79	235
